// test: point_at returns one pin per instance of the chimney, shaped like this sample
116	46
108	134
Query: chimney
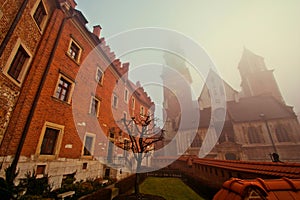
97	30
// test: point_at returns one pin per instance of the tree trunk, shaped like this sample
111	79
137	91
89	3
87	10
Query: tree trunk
137	175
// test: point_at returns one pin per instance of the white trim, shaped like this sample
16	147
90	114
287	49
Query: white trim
79	53
98	106
126	94
115	103
92	135
96	76
70	92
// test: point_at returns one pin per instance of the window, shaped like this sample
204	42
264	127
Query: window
88	144
282	134
95	104
142	110
99	76
40	14
124	115
253	135
126	95
17	67
132	102
197	142
115	101
40	170
74	51
49	141
64	88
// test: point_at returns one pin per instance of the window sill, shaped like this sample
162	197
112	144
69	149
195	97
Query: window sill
61	101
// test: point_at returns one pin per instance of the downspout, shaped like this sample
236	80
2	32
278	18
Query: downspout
36	98
13	26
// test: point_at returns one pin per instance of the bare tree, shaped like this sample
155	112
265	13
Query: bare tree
142	133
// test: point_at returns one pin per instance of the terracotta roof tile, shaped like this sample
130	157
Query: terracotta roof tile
273	189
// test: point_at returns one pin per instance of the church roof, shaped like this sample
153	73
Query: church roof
251	108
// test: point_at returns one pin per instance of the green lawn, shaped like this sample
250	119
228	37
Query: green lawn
169	188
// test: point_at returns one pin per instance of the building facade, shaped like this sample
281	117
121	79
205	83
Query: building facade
257	122
64	93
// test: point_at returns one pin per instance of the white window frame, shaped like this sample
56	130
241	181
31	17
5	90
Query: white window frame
132	103
58	141
115	100
25	66
70	90
45	19
92	135
72	41
142	110
126	94
98	106
102	77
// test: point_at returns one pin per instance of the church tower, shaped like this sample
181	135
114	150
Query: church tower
177	95
256	78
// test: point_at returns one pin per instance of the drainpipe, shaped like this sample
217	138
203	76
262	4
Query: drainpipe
36	98
13	26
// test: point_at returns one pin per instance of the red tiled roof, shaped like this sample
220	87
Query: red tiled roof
273	189
290	170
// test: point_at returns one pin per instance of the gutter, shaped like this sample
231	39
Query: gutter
36	98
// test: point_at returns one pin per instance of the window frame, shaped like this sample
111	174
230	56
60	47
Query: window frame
102	77
25	65
254	135
92	151
42	24
132	103
98	106
126	95
57	144
70	90
115	100
77	58
282	134
142	110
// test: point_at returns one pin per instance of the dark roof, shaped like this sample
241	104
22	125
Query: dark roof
251	108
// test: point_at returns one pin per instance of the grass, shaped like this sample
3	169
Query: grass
169	188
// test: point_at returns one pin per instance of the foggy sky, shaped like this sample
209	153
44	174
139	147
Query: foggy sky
269	28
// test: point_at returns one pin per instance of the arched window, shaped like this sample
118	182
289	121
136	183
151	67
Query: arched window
197	141
282	134
253	135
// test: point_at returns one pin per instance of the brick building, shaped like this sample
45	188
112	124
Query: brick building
66	94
